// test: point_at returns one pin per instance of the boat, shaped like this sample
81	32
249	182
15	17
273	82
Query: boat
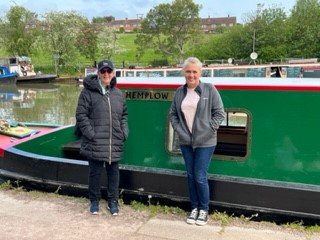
266	161
292	68
7	77
87	71
24	69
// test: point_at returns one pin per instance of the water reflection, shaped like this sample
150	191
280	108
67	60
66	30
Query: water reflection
41	102
7	92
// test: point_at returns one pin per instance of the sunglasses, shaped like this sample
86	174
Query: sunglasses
108	70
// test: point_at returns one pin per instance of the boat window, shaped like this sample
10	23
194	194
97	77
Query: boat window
206	73
155	73
240	73
129	74
174	73
118	73
144	73
13	61
233	136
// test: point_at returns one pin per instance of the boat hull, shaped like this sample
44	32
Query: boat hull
41	78
242	195
6	76
69	175
8	79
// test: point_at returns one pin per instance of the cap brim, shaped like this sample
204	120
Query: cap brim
104	67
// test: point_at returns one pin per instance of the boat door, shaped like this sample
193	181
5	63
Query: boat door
276	72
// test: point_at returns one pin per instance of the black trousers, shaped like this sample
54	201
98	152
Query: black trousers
95	171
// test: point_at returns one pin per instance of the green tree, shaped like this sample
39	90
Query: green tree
63	29
87	40
304	29
105	19
271	34
107	42
237	43
234	42
264	32
167	29
19	34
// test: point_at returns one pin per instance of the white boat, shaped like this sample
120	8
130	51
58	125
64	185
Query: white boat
24	69
303	68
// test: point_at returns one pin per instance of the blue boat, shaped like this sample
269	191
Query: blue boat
23	67
6	76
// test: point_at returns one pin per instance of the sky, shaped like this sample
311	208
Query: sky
132	9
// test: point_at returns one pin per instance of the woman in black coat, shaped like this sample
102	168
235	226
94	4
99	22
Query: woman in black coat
102	119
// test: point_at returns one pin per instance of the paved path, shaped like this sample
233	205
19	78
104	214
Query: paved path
34	216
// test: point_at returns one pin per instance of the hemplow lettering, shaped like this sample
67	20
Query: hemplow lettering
149	95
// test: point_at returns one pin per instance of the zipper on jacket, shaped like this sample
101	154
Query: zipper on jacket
194	129
110	130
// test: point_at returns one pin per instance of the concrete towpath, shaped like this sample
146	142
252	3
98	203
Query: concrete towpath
25	216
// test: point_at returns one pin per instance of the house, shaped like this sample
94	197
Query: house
208	24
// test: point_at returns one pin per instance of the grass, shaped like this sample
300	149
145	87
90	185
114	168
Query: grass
125	54
154	210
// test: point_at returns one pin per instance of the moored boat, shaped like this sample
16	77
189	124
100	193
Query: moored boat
295	68
24	70
266	160
38	78
7	77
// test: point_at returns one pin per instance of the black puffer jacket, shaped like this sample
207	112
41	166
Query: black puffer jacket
102	120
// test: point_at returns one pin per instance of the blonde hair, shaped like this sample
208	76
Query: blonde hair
191	60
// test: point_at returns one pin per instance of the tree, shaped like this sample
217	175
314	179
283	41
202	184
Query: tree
107	42
304	29
105	19
167	29
87	40
19	35
62	33
236	43
272	34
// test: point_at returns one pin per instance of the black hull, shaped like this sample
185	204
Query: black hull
43	78
242	195
8	80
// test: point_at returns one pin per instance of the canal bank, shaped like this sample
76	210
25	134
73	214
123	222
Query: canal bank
36	215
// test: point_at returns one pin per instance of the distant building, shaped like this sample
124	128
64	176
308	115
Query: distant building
131	25
126	25
207	24
210	24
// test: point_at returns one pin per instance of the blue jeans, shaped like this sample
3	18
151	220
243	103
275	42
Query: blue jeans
197	163
95	170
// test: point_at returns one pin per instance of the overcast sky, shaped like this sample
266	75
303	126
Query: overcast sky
121	9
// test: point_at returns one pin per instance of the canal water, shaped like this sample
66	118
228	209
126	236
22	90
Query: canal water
53	103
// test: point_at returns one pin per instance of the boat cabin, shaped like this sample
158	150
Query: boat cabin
21	65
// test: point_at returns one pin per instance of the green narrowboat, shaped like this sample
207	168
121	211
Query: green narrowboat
267	159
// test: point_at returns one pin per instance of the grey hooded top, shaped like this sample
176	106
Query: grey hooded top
209	115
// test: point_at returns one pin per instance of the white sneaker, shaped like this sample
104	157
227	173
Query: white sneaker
191	219
202	218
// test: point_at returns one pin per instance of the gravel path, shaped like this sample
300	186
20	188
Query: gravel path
42	216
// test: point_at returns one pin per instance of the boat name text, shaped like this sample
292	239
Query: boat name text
149	95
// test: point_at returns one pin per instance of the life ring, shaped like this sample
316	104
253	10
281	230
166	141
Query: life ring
24	73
